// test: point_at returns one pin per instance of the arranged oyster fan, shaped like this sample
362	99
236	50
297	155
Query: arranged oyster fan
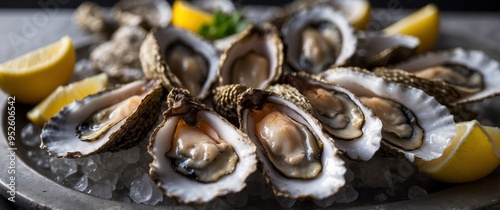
110	120
472	73
197	154
255	58
181	59
297	158
317	38
414	123
356	130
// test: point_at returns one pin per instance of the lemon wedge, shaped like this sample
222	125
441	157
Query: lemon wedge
187	16
64	95
471	156
423	24
357	12
32	77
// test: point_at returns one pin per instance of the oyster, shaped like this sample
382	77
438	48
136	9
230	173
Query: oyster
90	17
295	154
119	57
356	130
255	59
414	123
377	49
145	13
181	59
110	120
472	73
198	155
443	93
318	38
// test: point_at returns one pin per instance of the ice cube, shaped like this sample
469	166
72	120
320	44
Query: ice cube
62	166
141	191
30	135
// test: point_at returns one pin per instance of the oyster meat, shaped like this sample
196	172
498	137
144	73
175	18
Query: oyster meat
181	59
318	38
111	120
414	123
356	130
255	59
296	155
197	154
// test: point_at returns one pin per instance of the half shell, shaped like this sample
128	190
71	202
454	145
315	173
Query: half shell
318	38
110	120
377	49
297	158
198	155
181	59
473	73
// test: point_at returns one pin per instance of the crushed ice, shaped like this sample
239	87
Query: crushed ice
123	176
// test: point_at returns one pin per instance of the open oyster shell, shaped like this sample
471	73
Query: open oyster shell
414	123
294	153
198	155
318	38
472	73
254	59
356	130
111	120
181	59
377	49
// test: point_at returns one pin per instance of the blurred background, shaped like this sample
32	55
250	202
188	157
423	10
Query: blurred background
444	5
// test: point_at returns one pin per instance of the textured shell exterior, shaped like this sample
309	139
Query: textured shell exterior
185	189
477	60
122	13
292	30
59	138
263	39
291	93
154	64
363	147
331	178
225	99
377	49
433	117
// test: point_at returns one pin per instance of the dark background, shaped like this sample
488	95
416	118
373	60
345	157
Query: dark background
444	5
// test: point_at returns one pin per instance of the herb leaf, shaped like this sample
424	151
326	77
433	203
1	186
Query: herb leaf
224	25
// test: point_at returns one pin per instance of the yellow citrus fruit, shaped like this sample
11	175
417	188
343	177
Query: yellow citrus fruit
187	16
358	12
423	24
471	156
33	76
64	95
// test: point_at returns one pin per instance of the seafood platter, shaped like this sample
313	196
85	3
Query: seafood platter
298	108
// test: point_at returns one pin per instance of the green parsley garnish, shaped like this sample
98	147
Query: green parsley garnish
224	25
